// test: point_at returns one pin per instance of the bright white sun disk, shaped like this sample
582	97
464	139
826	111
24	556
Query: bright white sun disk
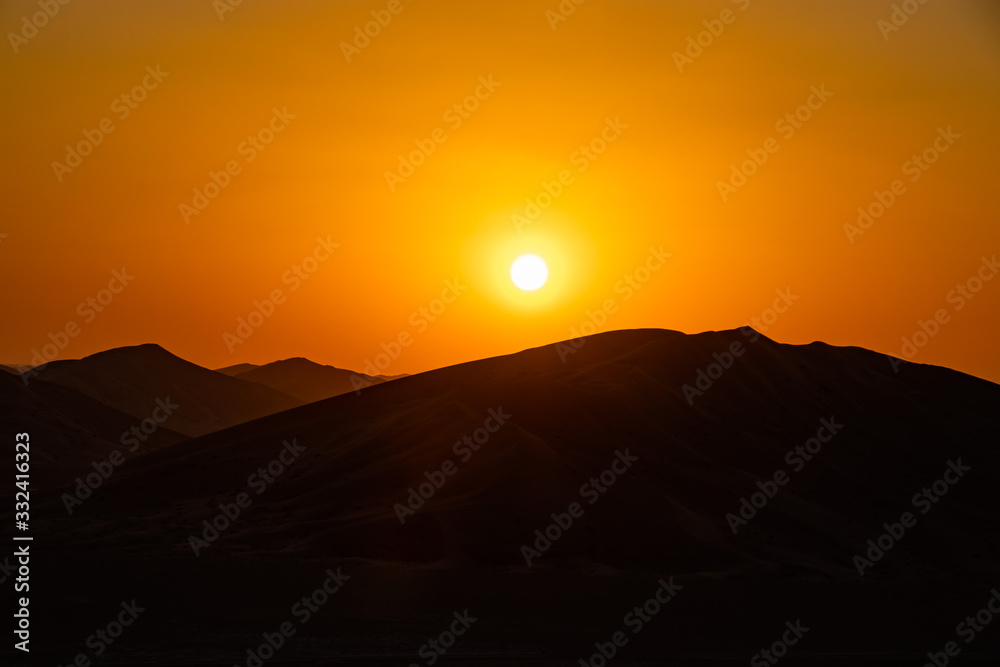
529	272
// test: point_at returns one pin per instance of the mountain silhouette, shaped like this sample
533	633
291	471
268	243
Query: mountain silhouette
72	429
133	379
236	369
305	379
671	445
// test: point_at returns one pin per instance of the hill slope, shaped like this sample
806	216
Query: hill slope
70	430
611	422
236	369
133	379
620	391
307	380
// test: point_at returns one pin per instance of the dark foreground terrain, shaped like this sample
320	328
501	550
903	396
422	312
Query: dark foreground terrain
807	451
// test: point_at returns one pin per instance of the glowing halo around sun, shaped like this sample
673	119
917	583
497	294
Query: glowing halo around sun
529	272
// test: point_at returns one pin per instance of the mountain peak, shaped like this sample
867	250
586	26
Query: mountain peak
143	350
133	378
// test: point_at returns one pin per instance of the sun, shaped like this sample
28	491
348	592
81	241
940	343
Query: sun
529	272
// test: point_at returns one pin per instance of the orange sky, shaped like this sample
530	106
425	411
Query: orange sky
607	76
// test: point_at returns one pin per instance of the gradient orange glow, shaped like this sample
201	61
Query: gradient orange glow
591	121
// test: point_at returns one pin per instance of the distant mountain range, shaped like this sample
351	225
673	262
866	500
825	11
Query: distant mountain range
751	471
620	391
83	409
133	379
70	427
305	380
